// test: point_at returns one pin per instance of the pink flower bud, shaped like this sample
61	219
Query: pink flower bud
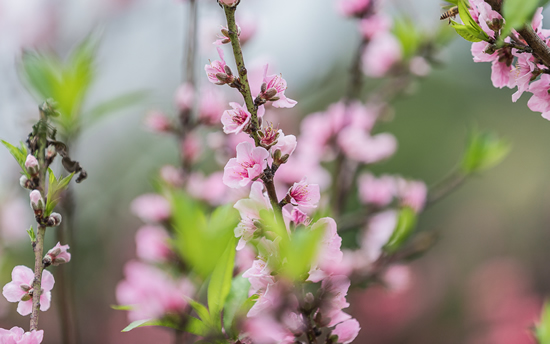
230	3
17	335
25	182
157	122
185	96
37	202
57	255
31	164
54	220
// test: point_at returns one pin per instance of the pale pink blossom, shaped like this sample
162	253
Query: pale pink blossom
412	193
37	202
266	330
152	244
522	73
500	73
294	169
304	194
20	289
383	51
244	259
540	101
157	122
172	175
13	215
354	7
397	278
377	191
478	52
295	216
279	84
235	121
360	146
185	97
211	105
249	209
215	68
229	2
374	25
151	208
16	335
210	188
247	166
267	301
285	143
335	289
152	293
58	254
259	276
419	66
379	230
31	163
330	255
347	331
191	147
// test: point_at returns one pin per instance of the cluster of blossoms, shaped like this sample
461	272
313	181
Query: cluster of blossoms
513	62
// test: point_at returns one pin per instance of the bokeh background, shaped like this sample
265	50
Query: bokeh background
487	276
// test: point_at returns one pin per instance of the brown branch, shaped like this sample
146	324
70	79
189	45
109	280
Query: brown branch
540	49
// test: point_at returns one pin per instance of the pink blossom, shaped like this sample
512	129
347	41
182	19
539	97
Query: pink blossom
478	52
185	97
354	7
359	146
58	255
210	188
377	191
304	194
266	330
500	73
157	122
151	208
419	66
277	83
152	244
374	25
13	220
235	121
398	278
249	210
37	202
540	101
267	301
244	259
16	335
522	74
20	288
215	68
383	51
229	2
294	169
191	147
412	193
347	331
285	143
380	229
31	163
259	275
335	289
151	293
247	166
330	255
295	216
172	175
211	105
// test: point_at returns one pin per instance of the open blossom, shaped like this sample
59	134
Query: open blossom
540	101
235	121
383	51
247	166
58	255
249	209
151	208
216	68
377	191
304	194
285	143
16	335
347	331
522	73
265	329
152	244
151	292
278	84
335	289
20	288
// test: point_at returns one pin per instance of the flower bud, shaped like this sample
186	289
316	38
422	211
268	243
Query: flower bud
31	164
57	255
263	87
37	202
228	70
54	220
25	287
50	152
25	182
270	93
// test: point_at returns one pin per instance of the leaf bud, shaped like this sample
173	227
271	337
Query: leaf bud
54	220
50	152
228	70
263	87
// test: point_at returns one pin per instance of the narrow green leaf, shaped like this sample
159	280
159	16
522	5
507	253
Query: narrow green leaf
122	307
405	226
472	29
55	187
32	235
193	325
201	310
483	151
465	32
234	302
20	154
220	282
139	323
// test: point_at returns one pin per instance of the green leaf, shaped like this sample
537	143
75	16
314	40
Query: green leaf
193	325
465	32
471	30
19	153
140	323
483	151
408	35
405	226
542	330
220	283
32	235
122	307
517	13
116	104
55	187
236	300
201	310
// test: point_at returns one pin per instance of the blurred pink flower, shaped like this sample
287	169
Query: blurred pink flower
374	25
13	214
184	97
398	277
379	231
210	188
16	335
152	244
151	293
419	66
20	288
157	122
259	276
540	101
268	300
249	209
412	193
335	289
266	330
172	175
58	254
382	52
151	208
279	84
360	146
211	105
191	146
354	7
235	121
347	331
330	255
377	191
304	194
247	166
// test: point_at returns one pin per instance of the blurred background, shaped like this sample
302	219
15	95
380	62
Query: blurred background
484	281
